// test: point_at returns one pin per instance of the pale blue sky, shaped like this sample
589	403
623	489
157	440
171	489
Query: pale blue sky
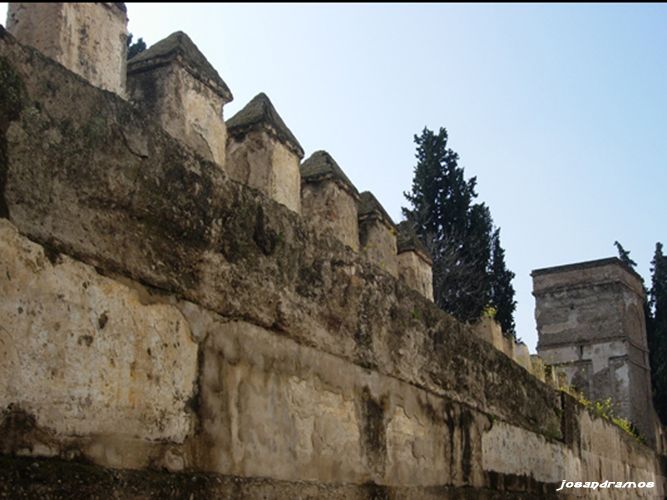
560	110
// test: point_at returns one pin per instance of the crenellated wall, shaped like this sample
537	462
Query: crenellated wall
205	340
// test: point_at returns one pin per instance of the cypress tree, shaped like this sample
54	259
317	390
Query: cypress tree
657	331
457	232
502	291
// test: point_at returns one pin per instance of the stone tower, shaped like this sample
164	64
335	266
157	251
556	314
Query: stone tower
590	321
89	39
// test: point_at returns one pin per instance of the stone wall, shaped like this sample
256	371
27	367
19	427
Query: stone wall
203	335
231	399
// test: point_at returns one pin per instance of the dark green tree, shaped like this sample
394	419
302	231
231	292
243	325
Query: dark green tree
134	49
502	291
456	231
657	331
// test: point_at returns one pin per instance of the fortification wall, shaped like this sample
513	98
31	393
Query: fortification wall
159	316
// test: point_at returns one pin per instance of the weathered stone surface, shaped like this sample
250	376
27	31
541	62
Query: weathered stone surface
409	241
179	47
273	407
87	38
82	354
377	234
590	321
320	166
173	221
329	201
173	83
263	153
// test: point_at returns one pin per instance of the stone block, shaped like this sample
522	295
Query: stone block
173	83
85	358
89	39
329	200
273	407
263	153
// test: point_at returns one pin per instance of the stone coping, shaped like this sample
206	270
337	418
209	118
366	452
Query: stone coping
260	112
179	47
408	241
369	206
321	166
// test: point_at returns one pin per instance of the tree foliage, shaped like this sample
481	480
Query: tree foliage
624	255
502	291
657	331
134	49
459	234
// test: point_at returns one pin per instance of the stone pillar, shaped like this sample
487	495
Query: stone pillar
415	267
328	198
89	39
174	84
590	321
377	234
263	153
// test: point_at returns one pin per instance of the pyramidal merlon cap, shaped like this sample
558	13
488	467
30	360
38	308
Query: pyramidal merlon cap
258	113
320	166
370	206
408	241
179	47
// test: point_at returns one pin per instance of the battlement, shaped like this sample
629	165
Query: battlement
173	83
165	308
